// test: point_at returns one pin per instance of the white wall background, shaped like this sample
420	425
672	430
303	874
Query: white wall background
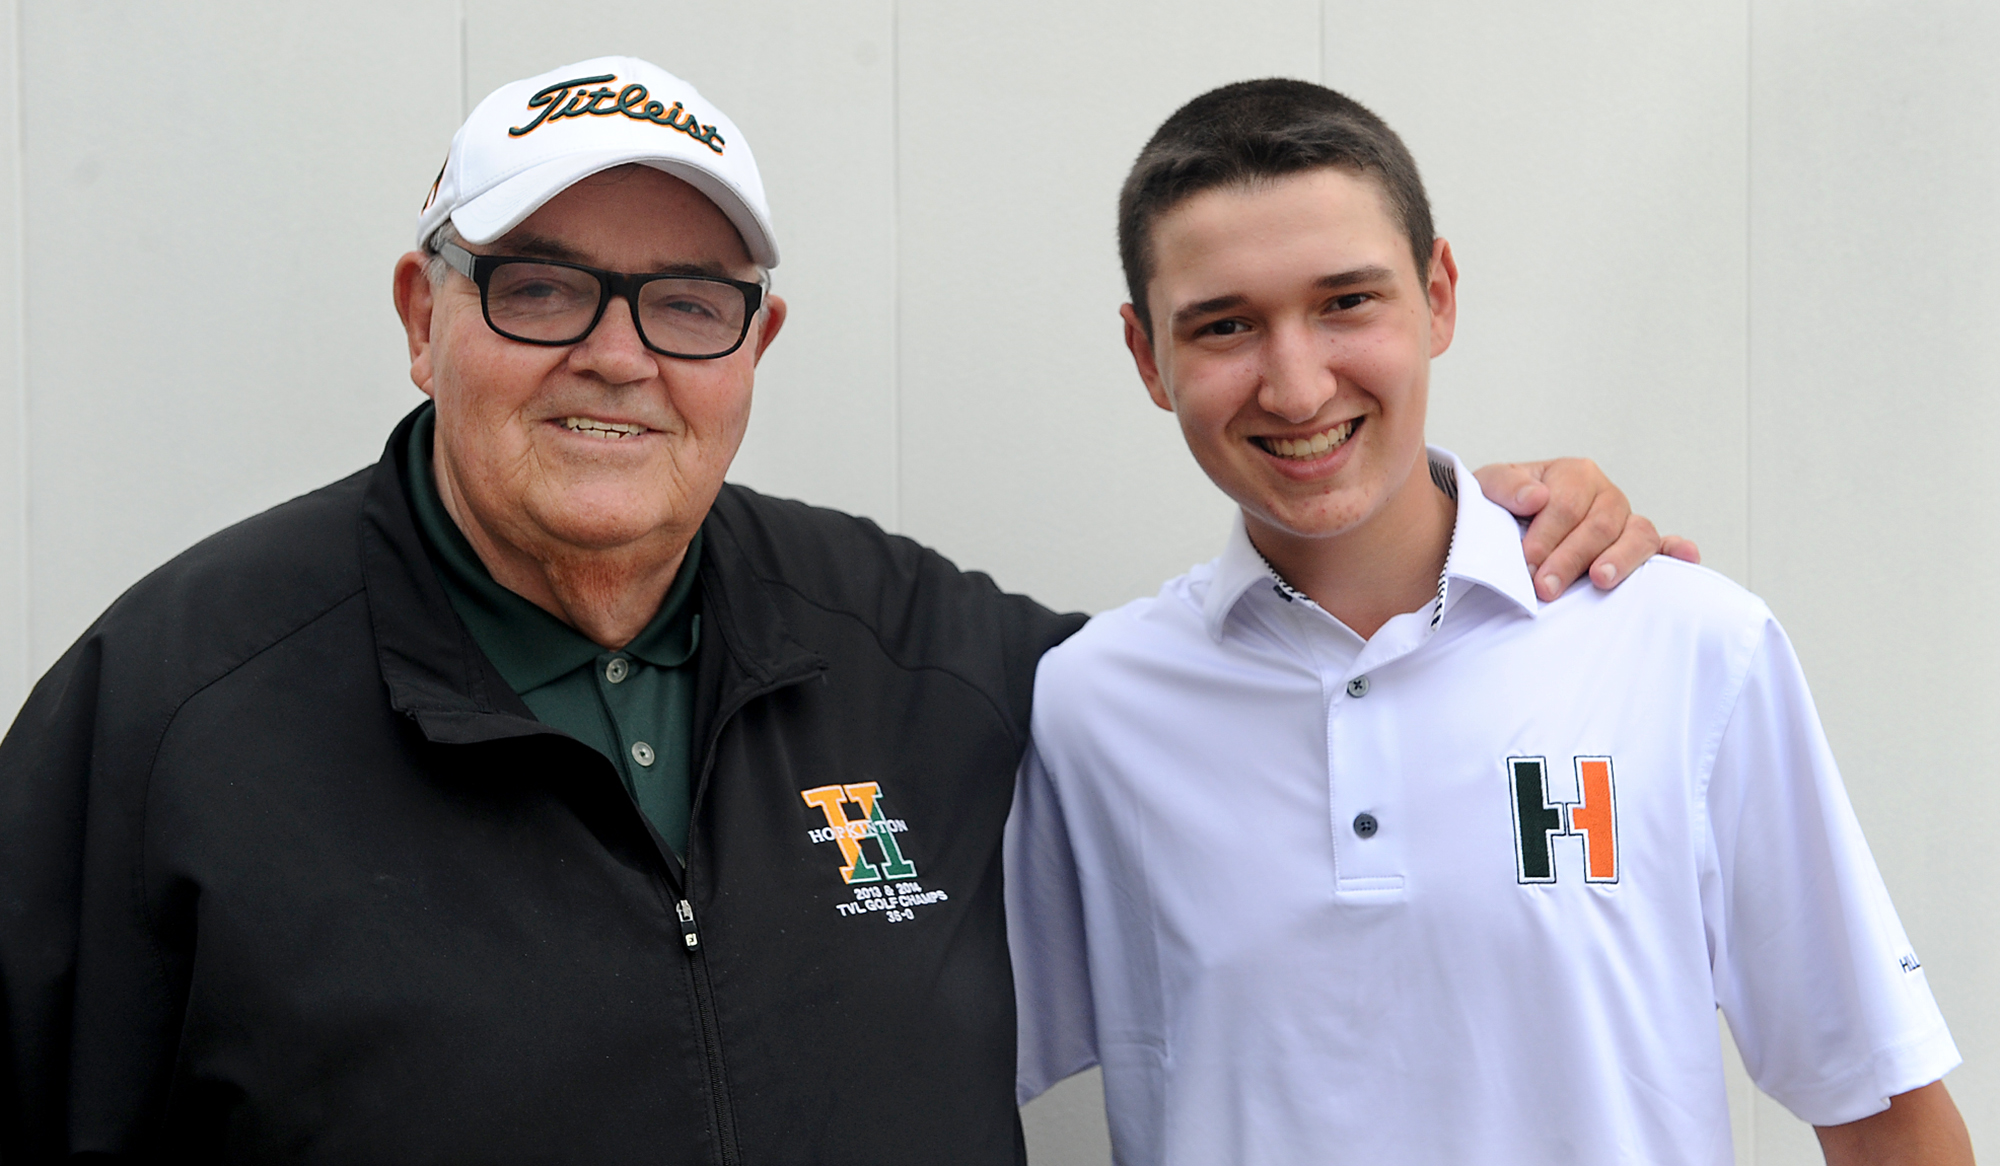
1743	252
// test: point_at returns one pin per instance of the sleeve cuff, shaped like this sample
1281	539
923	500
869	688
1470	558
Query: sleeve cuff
1866	1091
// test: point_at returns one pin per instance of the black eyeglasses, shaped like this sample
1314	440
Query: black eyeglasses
546	301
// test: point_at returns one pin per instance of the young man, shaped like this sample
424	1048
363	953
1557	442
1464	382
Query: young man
1348	847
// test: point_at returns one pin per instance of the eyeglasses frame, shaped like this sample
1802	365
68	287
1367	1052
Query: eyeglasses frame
480	268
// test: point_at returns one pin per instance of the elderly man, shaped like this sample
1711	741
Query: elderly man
532	795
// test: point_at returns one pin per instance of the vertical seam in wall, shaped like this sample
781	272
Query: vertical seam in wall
464	73
22	447
1749	298
896	263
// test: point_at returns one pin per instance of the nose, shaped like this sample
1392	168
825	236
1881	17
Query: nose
1297	374
613	350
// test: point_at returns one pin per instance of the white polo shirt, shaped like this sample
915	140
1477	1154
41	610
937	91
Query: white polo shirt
1468	891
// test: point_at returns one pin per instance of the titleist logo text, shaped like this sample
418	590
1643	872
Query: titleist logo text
572	99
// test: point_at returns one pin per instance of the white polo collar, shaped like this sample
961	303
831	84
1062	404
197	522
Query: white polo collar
1485	552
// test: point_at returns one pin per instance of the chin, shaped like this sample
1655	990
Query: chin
600	528
1319	521
1316	530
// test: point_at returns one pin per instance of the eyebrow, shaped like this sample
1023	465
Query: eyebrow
541	247
1370	274
1373	273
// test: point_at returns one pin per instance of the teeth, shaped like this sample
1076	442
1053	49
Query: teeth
1310	447
610	429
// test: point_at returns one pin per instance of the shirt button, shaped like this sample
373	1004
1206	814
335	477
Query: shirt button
1366	825
617	669
642	753
1358	687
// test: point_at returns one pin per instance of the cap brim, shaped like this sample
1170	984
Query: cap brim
507	204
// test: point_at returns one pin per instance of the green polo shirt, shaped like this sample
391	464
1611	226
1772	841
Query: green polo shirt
635	705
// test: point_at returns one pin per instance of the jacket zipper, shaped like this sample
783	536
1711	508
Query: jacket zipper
684	911
721	1112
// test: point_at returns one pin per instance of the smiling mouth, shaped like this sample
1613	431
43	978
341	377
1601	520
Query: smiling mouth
610	430
1307	448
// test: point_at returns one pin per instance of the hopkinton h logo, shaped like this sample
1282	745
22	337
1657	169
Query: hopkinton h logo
872	825
1538	822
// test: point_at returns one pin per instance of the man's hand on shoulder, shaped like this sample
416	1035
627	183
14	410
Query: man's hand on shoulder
1920	1128
1580	520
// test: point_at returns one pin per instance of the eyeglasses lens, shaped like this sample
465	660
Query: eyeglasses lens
550	304
537	301
692	316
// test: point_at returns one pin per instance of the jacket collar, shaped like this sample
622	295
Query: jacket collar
436	675
1485	552
740	607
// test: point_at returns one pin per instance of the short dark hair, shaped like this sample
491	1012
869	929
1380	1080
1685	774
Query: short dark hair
1256	130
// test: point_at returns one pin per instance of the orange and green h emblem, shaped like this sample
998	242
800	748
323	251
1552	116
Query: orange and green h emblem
1538	821
849	832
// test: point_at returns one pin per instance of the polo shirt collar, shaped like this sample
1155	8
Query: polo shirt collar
1485	545
1239	569
527	645
1485	552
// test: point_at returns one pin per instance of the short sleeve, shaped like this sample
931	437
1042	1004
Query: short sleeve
1827	1001
1055	1014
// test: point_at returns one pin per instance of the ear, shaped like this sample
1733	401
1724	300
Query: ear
1443	294
415	302
774	319
1142	356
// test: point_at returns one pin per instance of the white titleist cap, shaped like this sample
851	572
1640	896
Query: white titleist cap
531	140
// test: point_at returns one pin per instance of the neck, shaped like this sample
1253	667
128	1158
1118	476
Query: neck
1381	567
608	595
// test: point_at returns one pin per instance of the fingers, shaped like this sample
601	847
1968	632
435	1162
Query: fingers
1639	542
1583	539
1584	515
1579	494
1581	521
1514	485
1680	548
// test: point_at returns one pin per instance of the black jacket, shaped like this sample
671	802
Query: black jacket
287	871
